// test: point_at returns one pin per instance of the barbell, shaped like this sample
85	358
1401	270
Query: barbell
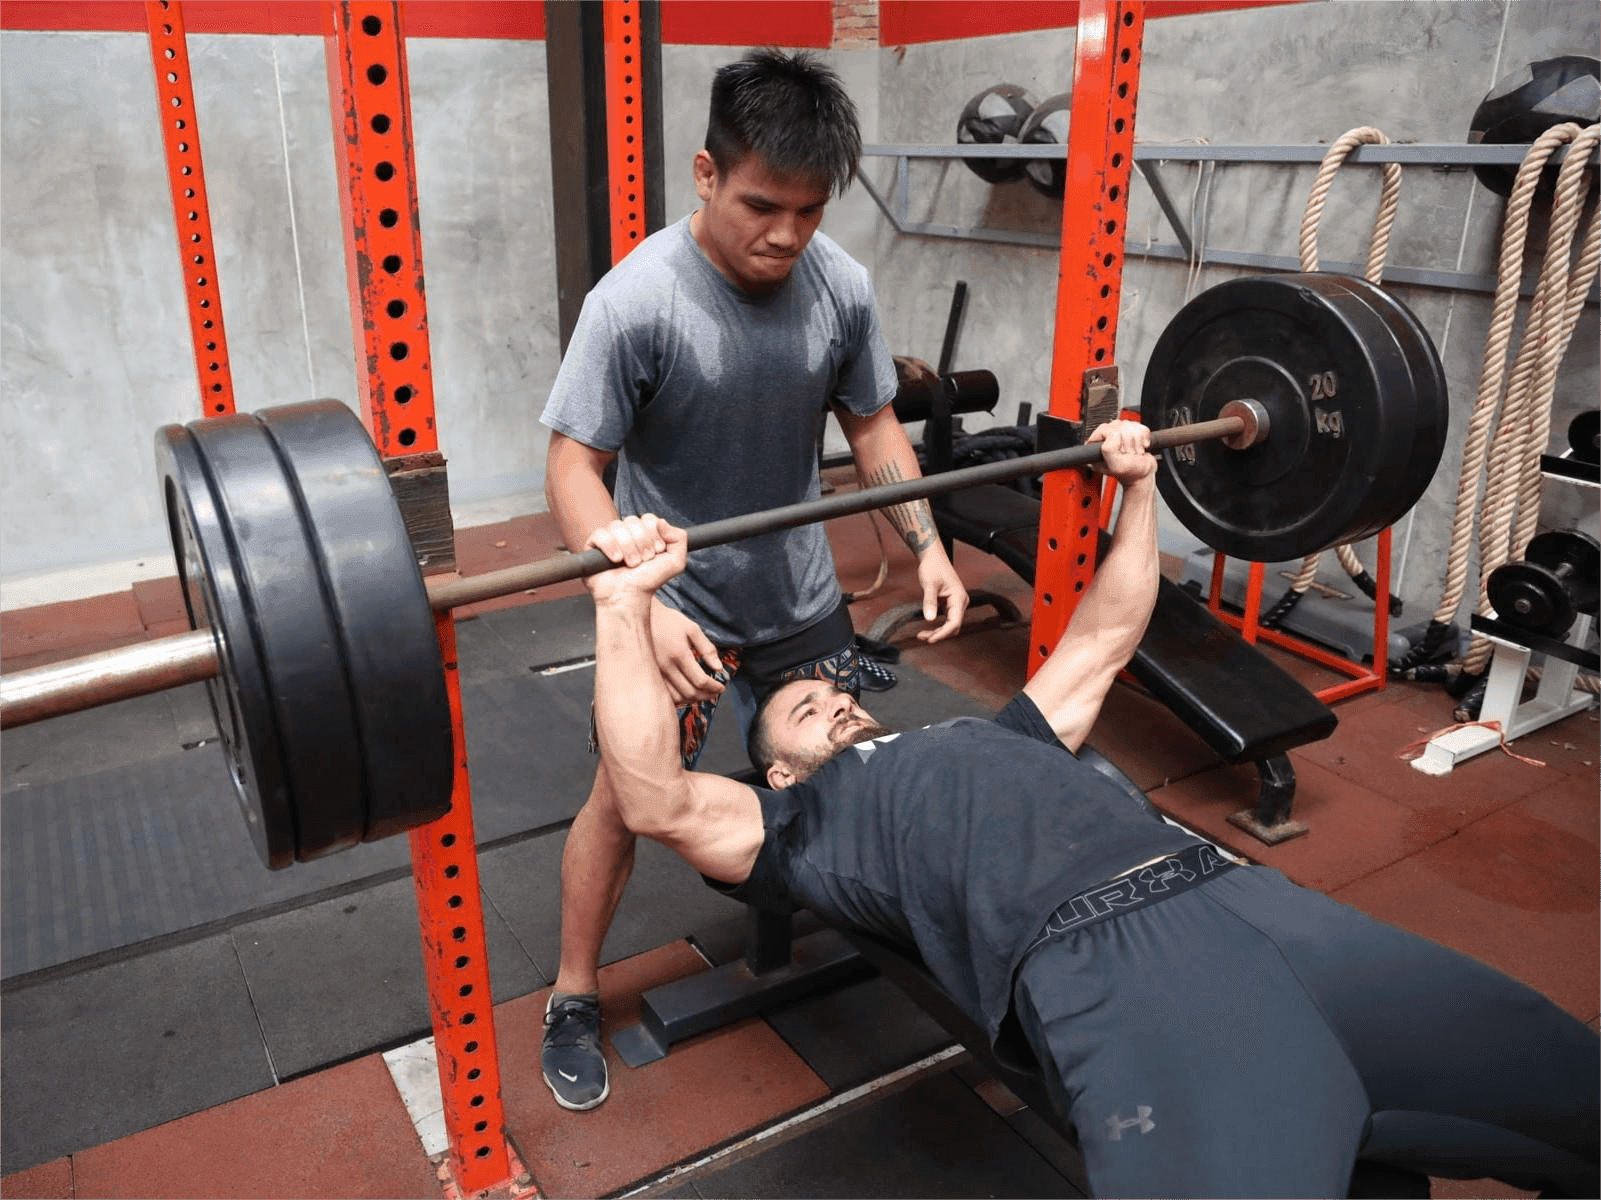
314	629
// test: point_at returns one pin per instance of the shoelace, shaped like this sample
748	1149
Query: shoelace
568	1023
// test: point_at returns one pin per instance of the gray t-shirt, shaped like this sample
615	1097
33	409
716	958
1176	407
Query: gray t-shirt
714	401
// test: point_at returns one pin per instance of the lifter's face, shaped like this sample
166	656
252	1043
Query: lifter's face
753	224
808	723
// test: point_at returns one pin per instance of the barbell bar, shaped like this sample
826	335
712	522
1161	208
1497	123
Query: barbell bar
314	631
40	693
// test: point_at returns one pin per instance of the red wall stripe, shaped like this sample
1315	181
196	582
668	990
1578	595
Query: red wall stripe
423	18
749	23
908	22
684	22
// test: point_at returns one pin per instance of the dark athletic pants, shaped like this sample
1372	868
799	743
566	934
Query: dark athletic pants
1250	1038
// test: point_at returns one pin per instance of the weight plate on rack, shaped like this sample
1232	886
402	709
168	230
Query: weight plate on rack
272	542
1431	402
240	697
387	637
1339	395
1584	436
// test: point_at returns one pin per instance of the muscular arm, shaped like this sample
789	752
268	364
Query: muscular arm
575	489
1112	614
883	455
714	823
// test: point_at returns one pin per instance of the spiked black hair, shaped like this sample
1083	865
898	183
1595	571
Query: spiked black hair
789	109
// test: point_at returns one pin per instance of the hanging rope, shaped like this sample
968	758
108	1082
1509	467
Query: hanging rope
1513	482
1378	249
1515	400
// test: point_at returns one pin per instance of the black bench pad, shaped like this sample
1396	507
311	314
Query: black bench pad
1241	703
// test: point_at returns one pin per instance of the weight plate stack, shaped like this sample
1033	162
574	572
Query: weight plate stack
331	697
1558	578
240	697
1431	413
1338	389
387	636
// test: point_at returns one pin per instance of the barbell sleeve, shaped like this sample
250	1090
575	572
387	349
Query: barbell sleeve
42	692
138	670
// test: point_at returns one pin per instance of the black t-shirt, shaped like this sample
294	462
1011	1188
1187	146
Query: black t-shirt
960	839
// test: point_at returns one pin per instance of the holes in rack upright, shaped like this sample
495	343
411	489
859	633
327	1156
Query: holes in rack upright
396	309
403	394
371	26
377	74
380	123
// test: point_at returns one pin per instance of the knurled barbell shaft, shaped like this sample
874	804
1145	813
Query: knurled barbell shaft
121	674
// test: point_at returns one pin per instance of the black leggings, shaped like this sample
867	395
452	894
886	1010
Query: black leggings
1252	1038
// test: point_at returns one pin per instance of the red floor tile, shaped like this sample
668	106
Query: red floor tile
1367	749
1474	1189
704	1092
47	1181
1483	893
27	633
1352	831
340	1133
159	600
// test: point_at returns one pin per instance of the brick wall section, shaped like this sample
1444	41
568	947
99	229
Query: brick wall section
855	23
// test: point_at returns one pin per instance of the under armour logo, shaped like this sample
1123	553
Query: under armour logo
1172	868
1115	1124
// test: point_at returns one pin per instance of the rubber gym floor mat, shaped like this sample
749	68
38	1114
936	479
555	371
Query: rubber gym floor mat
128	853
932	1139
345	977
664	902
123	1047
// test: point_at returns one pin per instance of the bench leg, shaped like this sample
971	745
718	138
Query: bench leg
1270	820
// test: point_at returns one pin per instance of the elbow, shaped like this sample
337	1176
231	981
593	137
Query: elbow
649	807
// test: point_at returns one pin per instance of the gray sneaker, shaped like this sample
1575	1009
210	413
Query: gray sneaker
571	1058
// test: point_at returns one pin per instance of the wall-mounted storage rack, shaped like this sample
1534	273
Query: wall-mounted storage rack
1148	157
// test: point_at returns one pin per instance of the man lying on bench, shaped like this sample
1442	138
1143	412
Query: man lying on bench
1209	1029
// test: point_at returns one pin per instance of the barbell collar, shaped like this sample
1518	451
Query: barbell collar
43	692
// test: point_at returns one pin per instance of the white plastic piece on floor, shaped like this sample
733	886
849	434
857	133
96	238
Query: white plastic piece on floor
415	1070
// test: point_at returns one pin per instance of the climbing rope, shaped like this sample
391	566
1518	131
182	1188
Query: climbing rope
1378	250
1516	399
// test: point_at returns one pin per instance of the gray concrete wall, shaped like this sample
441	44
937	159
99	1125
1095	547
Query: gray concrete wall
1293	74
94	349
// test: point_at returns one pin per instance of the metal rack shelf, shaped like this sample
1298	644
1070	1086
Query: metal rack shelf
1147	156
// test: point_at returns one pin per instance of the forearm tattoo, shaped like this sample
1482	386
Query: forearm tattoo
913	521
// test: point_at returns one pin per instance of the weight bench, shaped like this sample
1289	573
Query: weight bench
1242	704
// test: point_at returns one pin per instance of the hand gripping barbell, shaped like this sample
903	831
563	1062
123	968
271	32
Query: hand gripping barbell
1306	404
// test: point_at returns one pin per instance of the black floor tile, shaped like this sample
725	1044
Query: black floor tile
934	1139
122	854
859	1032
665	899
124	1047
345	976
1054	1146
527	750
97	739
547	634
